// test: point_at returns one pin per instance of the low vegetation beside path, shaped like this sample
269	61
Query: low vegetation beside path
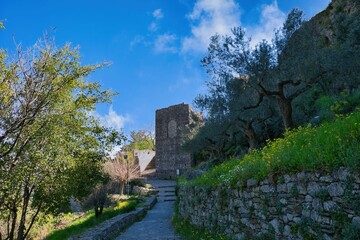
80	223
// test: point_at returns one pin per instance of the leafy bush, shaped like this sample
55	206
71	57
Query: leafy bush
344	103
327	147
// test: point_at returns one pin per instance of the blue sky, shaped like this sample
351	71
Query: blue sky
155	46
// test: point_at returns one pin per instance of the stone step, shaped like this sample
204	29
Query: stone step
146	237
170	200
168	195
162	187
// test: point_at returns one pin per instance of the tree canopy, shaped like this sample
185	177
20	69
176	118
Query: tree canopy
51	148
258	92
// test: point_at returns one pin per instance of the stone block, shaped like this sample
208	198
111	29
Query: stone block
326	179
281	187
330	206
336	189
313	188
251	182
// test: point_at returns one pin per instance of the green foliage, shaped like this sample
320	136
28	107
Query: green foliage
252	89
329	107
189	232
218	138
141	140
51	148
308	229
81	225
340	220
327	147
323	194
294	191
351	231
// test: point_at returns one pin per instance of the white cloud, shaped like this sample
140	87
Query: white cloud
136	40
165	43
158	14
153	27
208	18
112	119
271	18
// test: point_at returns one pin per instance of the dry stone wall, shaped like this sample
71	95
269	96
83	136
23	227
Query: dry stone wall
299	206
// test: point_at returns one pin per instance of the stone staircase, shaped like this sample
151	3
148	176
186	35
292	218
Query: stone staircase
157	223
166	193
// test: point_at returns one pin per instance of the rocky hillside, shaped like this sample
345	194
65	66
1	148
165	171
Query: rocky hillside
339	22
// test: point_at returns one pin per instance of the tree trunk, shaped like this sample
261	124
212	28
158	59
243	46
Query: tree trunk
32	221
13	223
251	137
97	212
21	228
122	186
286	113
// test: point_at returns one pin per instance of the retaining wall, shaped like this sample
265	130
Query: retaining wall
299	206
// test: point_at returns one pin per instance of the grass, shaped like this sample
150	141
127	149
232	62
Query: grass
324	148
81	225
190	232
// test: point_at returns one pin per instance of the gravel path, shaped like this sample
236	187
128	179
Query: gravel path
157	223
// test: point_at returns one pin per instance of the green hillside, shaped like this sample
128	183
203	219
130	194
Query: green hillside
332	145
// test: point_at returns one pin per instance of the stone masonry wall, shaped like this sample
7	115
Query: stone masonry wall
169	134
299	206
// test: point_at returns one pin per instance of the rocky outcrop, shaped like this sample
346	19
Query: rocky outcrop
298	206
332	23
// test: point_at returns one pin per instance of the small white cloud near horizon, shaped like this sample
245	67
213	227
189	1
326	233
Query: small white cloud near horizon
164	43
112	119
271	18
210	17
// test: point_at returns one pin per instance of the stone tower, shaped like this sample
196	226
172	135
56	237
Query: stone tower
171	123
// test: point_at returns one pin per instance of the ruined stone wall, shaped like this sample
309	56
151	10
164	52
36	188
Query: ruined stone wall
299	206
171	123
